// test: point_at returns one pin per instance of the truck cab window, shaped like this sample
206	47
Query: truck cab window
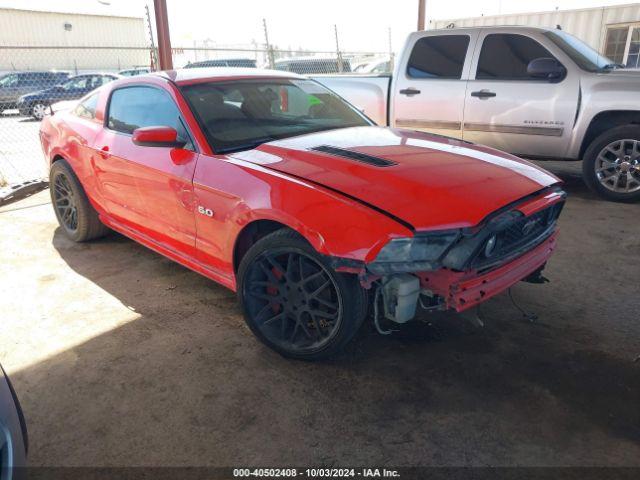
506	57
438	57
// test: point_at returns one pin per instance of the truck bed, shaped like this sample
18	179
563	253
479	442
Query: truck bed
369	93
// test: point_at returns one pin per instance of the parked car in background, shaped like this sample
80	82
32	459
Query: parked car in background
132	72
540	93
377	65
14	85
37	104
224	62
275	187
13	430
313	65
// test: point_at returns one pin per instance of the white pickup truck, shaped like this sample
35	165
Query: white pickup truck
533	92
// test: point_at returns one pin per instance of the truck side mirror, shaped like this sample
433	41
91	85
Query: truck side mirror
547	68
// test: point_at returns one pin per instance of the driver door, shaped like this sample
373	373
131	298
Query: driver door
148	189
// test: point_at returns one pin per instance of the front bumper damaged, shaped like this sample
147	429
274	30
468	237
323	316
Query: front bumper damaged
463	290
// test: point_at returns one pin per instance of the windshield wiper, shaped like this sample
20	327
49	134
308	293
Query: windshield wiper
245	146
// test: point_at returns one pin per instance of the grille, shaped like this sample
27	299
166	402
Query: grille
351	155
518	234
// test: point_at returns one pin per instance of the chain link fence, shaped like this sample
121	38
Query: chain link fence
36	79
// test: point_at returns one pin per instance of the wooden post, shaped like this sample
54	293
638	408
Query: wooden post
421	13
164	40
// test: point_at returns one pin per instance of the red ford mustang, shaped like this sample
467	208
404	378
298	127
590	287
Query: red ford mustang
278	189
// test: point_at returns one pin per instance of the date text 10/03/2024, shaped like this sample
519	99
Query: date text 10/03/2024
316	473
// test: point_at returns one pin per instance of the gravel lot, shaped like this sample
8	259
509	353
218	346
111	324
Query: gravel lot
122	357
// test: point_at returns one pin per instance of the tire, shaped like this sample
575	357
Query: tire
38	110
615	150
294	301
76	216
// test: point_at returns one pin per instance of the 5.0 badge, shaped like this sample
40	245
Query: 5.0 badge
205	211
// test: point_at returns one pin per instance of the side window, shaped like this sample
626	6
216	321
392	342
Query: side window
27	79
438	57
136	107
100	80
506	57
87	108
77	83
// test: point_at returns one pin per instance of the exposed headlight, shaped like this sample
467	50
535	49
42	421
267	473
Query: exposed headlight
413	254
490	246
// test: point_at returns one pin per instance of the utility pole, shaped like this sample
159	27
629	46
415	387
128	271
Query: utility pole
154	57
339	54
391	59
421	14
164	39
270	57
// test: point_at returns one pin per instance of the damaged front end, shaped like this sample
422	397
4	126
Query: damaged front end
460	268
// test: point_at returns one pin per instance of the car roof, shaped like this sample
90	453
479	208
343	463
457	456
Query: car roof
497	28
93	74
309	59
31	72
188	75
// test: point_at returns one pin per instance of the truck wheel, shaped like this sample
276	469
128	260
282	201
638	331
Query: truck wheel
611	164
75	214
294	302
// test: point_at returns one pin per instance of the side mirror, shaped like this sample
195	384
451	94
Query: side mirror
547	68
157	137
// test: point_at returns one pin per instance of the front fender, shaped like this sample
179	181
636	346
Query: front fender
240	193
601	94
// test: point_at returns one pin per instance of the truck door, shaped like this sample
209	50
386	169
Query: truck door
430	84
508	108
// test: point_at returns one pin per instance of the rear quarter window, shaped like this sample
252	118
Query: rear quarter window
87	107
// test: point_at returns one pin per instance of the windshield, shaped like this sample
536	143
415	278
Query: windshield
243	114
581	53
8	80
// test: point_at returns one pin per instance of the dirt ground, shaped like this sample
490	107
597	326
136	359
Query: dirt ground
121	357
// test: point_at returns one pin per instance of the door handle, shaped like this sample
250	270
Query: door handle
483	94
409	91
104	152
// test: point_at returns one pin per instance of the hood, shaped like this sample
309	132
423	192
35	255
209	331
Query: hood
428	181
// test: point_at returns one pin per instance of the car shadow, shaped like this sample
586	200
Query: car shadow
186	383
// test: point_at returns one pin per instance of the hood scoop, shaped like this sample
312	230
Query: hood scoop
351	155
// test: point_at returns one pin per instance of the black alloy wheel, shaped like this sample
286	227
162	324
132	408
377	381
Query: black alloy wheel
65	203
75	214
294	301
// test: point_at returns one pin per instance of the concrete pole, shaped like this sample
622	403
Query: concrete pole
338	53
164	39
421	14
270	55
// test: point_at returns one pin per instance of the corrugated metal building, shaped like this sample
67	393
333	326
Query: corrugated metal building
36	40
612	30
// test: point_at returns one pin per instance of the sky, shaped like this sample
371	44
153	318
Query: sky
363	25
